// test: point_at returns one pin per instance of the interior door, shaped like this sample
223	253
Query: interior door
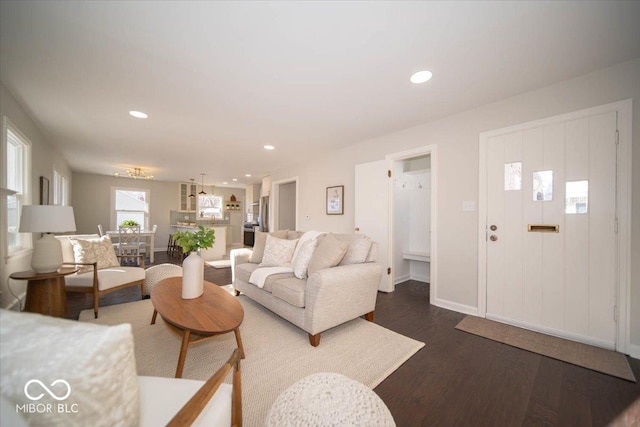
372	212
551	209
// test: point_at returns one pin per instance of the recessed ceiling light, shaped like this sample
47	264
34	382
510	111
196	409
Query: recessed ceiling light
224	183
421	77
234	179
138	114
269	147
247	175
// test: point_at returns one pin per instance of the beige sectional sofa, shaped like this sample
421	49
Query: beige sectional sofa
328	296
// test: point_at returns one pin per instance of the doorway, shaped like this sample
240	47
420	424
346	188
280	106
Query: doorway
411	204
375	213
552	246
285	204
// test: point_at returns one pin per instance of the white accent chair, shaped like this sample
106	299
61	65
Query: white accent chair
97	364
99	282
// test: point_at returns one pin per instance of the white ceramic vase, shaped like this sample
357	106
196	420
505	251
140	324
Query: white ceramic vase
192	276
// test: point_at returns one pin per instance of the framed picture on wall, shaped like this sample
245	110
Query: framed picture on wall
335	200
44	191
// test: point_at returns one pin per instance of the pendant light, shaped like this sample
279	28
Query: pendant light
191	195
202	192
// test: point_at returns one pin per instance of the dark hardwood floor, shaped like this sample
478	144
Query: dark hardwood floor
459	379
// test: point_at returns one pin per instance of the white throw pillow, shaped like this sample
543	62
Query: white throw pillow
278	252
85	374
300	262
94	250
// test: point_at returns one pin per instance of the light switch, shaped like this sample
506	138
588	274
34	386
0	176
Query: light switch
468	206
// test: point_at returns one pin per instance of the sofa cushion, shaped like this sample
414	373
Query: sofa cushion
92	366
98	250
359	247
243	272
290	290
278	252
300	262
293	235
107	277
260	241
328	253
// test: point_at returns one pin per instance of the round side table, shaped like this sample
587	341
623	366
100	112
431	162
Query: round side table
46	293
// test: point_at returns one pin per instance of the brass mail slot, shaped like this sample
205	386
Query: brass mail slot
543	228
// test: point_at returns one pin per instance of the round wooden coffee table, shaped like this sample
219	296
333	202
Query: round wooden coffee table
215	312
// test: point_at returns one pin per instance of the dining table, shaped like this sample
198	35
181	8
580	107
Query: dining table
114	235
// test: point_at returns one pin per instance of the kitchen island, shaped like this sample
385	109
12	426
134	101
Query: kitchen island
219	248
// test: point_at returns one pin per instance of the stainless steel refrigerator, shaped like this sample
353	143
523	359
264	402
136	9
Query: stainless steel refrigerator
263	221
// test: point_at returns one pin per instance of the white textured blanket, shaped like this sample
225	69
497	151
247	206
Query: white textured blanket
260	275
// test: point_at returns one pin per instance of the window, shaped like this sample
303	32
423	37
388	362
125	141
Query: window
60	189
130	204
209	206
16	192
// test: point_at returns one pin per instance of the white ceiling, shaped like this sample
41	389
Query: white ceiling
219	79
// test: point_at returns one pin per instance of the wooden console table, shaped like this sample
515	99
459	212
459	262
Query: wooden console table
46	293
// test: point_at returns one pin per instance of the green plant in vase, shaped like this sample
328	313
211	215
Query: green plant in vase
191	241
193	265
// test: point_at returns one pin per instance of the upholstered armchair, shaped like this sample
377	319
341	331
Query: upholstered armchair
99	271
86	375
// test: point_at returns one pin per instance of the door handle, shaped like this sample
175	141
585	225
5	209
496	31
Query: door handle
493	227
493	237
357	228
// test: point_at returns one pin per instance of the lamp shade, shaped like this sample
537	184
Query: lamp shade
47	219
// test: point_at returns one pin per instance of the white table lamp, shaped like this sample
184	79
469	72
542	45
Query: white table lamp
47	251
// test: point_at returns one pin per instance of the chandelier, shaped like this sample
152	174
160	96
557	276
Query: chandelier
136	173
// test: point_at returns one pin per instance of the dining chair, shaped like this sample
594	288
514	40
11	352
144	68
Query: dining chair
129	242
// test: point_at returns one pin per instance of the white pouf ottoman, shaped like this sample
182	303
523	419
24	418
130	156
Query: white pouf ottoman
329	400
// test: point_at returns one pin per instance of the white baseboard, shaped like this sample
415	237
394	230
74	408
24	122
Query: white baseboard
401	279
634	350
420	277
17	303
460	308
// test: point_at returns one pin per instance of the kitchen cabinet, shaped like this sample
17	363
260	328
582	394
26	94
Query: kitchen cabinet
186	203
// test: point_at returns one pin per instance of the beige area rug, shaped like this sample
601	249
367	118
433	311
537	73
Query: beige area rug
587	356
277	353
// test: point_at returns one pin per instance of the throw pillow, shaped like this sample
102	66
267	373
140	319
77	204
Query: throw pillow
300	262
260	241
89	369
278	252
329	253
94	250
359	247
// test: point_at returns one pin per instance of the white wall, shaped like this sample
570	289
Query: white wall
457	140
45	158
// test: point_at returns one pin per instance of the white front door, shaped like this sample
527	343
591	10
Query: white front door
372	212
550	228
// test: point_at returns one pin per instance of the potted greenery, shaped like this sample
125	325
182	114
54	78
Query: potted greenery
193	266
